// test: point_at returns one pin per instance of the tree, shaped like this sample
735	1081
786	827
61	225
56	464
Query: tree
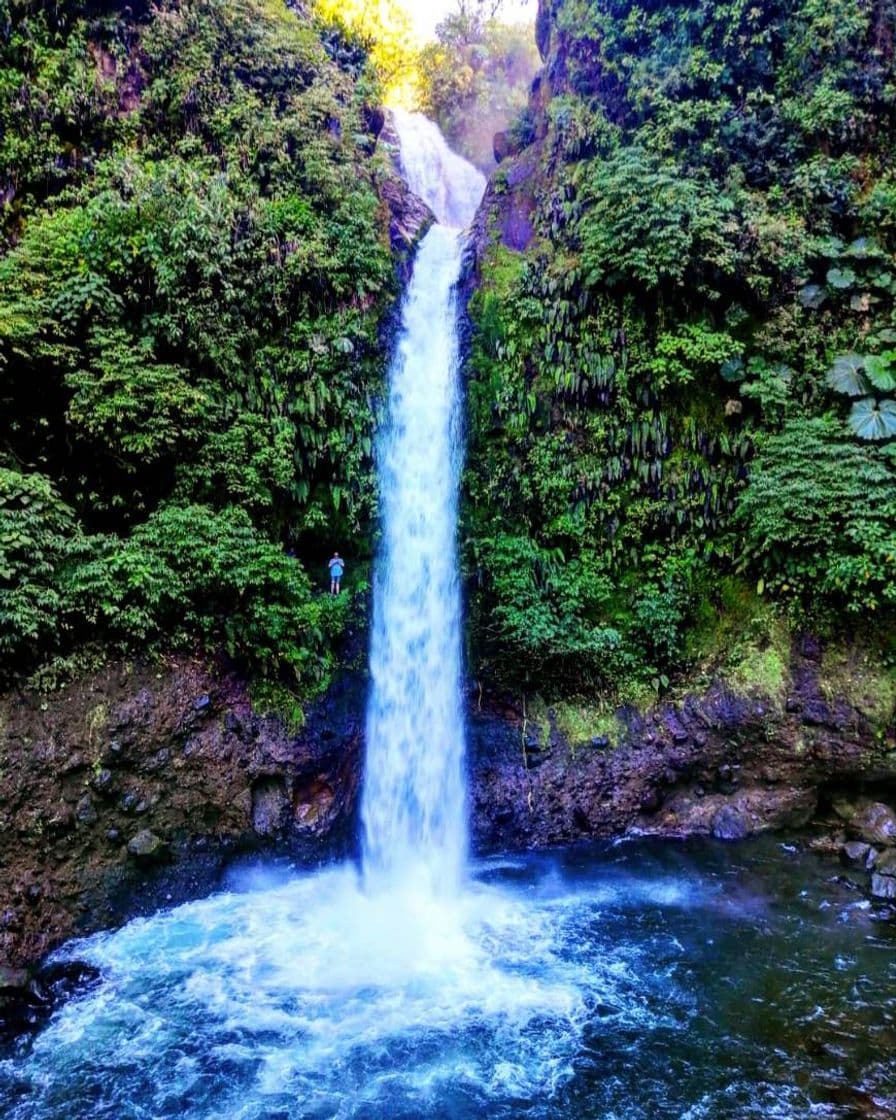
475	78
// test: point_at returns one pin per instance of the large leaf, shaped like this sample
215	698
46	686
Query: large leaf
733	369
812	296
880	370
847	375
841	278
864	249
874	420
862	301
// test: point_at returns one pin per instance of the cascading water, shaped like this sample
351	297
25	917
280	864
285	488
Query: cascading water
628	983
414	803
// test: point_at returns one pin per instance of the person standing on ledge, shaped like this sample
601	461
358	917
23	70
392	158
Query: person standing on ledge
337	567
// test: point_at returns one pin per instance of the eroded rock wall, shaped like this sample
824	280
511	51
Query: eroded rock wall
134	787
715	764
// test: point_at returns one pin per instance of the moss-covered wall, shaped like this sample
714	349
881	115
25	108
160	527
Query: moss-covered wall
683	361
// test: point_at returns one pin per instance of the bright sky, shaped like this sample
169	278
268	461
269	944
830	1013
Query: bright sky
427	13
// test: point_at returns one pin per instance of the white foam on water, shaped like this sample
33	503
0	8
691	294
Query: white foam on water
450	187
320	994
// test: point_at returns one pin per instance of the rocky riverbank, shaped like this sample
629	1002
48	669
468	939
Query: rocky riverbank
717	763
134	787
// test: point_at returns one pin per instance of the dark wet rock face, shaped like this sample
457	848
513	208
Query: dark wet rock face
269	806
717	765
27	1001
134	788
507	210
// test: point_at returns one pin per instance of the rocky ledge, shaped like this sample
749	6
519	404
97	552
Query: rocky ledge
867	845
135	787
716	764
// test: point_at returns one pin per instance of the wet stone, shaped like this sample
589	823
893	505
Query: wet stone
85	812
884	863
146	847
883	886
129	802
875	823
101	781
855	853
730	824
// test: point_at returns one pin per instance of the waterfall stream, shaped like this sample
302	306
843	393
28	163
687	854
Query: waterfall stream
414	803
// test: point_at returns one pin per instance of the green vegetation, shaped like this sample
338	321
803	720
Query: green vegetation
861	676
474	79
740	637
582	723
682	395
195	274
684	388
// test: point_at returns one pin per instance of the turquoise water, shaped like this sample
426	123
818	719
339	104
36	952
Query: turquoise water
639	981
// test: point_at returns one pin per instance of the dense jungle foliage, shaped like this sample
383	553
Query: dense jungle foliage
195	269
683	396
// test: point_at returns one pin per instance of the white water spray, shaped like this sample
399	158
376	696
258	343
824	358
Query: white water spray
414	804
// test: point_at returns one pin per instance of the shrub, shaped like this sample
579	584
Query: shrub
819	517
36	531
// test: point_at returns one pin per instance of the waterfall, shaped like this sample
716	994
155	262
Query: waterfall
411	988
414	802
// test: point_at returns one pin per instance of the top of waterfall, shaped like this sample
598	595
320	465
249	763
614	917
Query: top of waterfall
450	187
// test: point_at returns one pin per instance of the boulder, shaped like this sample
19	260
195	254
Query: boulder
884	863
146	847
85	811
730	824
844	808
883	886
875	823
855	853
